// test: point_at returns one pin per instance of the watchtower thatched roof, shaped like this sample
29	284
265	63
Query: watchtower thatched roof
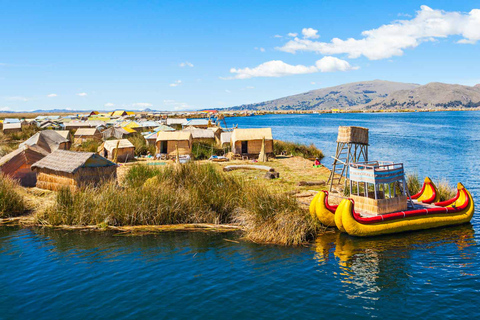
71	161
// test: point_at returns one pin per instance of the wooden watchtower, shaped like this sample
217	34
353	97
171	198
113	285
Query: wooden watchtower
352	146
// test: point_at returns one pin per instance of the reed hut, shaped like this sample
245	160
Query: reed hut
198	123
69	169
123	149
201	135
67	135
17	164
248	142
87	134
169	142
48	140
76	125
115	132
176	123
12	127
225	138
151	138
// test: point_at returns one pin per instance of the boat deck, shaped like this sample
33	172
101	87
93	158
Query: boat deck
416	205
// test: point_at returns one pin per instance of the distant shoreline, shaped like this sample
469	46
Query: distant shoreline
242	113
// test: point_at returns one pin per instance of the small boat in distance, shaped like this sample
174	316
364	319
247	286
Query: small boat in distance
380	204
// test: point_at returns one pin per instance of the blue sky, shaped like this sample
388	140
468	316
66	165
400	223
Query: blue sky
176	55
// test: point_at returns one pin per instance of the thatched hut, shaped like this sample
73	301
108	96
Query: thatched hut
225	138
123	148
87	134
248	142
17	164
12	127
169	142
115	132
198	123
70	169
66	134
49	140
76	125
176	123
201	135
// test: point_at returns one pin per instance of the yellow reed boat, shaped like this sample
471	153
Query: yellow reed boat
389	208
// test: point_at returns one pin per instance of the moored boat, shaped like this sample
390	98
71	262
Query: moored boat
452	212
391	210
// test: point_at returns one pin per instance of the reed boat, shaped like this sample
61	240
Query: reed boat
378	212
455	211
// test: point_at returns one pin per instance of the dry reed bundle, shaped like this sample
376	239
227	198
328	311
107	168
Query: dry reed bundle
352	134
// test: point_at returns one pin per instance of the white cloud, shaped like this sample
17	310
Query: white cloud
4	108
109	104
17	98
52	95
176	83
261	49
277	36
249	87
228	91
82	94
310	33
142	104
391	39
176	105
186	64
292	34
313	82
278	68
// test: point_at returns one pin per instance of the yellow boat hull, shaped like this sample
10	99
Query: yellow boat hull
346	220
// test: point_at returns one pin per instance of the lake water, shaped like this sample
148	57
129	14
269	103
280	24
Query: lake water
433	274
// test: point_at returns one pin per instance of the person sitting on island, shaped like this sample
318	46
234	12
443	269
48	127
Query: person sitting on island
316	163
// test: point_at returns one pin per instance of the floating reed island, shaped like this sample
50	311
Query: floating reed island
136	174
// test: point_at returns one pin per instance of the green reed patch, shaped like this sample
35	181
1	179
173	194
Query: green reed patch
11	202
191	193
297	149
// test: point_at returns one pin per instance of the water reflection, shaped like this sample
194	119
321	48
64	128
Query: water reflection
371	264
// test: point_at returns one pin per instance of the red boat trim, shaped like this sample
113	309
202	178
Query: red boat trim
414	213
429	200
330	208
448	202
417	195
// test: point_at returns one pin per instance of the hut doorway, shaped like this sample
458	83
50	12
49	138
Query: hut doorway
163	147
244	147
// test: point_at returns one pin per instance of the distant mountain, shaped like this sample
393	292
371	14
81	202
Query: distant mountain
377	94
342	97
434	95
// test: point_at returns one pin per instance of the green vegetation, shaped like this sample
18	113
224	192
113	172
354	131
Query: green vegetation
202	150
141	147
191	193
445	191
87	146
297	149
11	202
413	184
27	132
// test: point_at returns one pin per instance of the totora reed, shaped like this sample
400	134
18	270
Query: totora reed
192	193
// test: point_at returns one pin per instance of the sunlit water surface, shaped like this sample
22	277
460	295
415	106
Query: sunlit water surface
434	274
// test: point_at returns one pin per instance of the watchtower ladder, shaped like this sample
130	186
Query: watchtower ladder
352	146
